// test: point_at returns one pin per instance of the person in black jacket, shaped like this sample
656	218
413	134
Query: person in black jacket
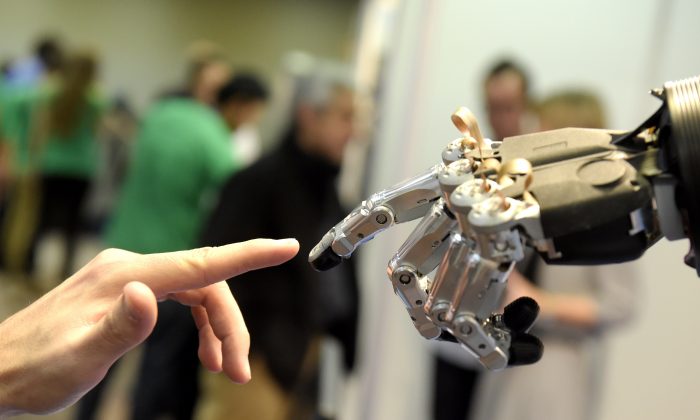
290	193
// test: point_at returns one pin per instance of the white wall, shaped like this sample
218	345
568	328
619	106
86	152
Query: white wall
436	62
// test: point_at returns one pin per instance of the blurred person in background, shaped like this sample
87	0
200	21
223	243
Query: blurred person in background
508	103
240	100
242	103
47	58
64	141
5	150
5	66
26	84
180	159
578	307
290	192
509	109
52	129
207	70
119	127
4	146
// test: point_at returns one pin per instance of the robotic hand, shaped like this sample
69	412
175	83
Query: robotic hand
578	196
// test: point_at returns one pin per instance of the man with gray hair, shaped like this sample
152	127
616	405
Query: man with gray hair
290	192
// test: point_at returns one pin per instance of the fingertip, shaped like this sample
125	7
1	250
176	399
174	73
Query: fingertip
209	351
208	355
247	375
241	375
212	369
235	361
287	245
291	244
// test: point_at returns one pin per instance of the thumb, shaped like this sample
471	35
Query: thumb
130	320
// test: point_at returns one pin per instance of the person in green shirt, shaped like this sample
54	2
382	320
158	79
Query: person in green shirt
4	146
5	154
52	131
182	155
20	189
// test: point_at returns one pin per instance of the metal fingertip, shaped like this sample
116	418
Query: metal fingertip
324	260
521	314
525	349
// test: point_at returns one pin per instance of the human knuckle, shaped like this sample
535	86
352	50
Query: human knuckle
198	262
107	262
110	254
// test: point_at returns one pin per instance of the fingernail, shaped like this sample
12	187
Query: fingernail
246	374
128	308
287	240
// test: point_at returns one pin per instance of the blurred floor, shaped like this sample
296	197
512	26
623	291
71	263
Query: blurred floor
15	294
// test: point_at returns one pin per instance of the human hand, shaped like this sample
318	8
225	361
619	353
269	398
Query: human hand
61	346
572	310
519	286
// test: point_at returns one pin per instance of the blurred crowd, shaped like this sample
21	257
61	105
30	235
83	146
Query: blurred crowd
186	173
190	172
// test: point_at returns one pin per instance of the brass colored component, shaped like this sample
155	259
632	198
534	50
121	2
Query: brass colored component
491	163
466	123
515	168
469	142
